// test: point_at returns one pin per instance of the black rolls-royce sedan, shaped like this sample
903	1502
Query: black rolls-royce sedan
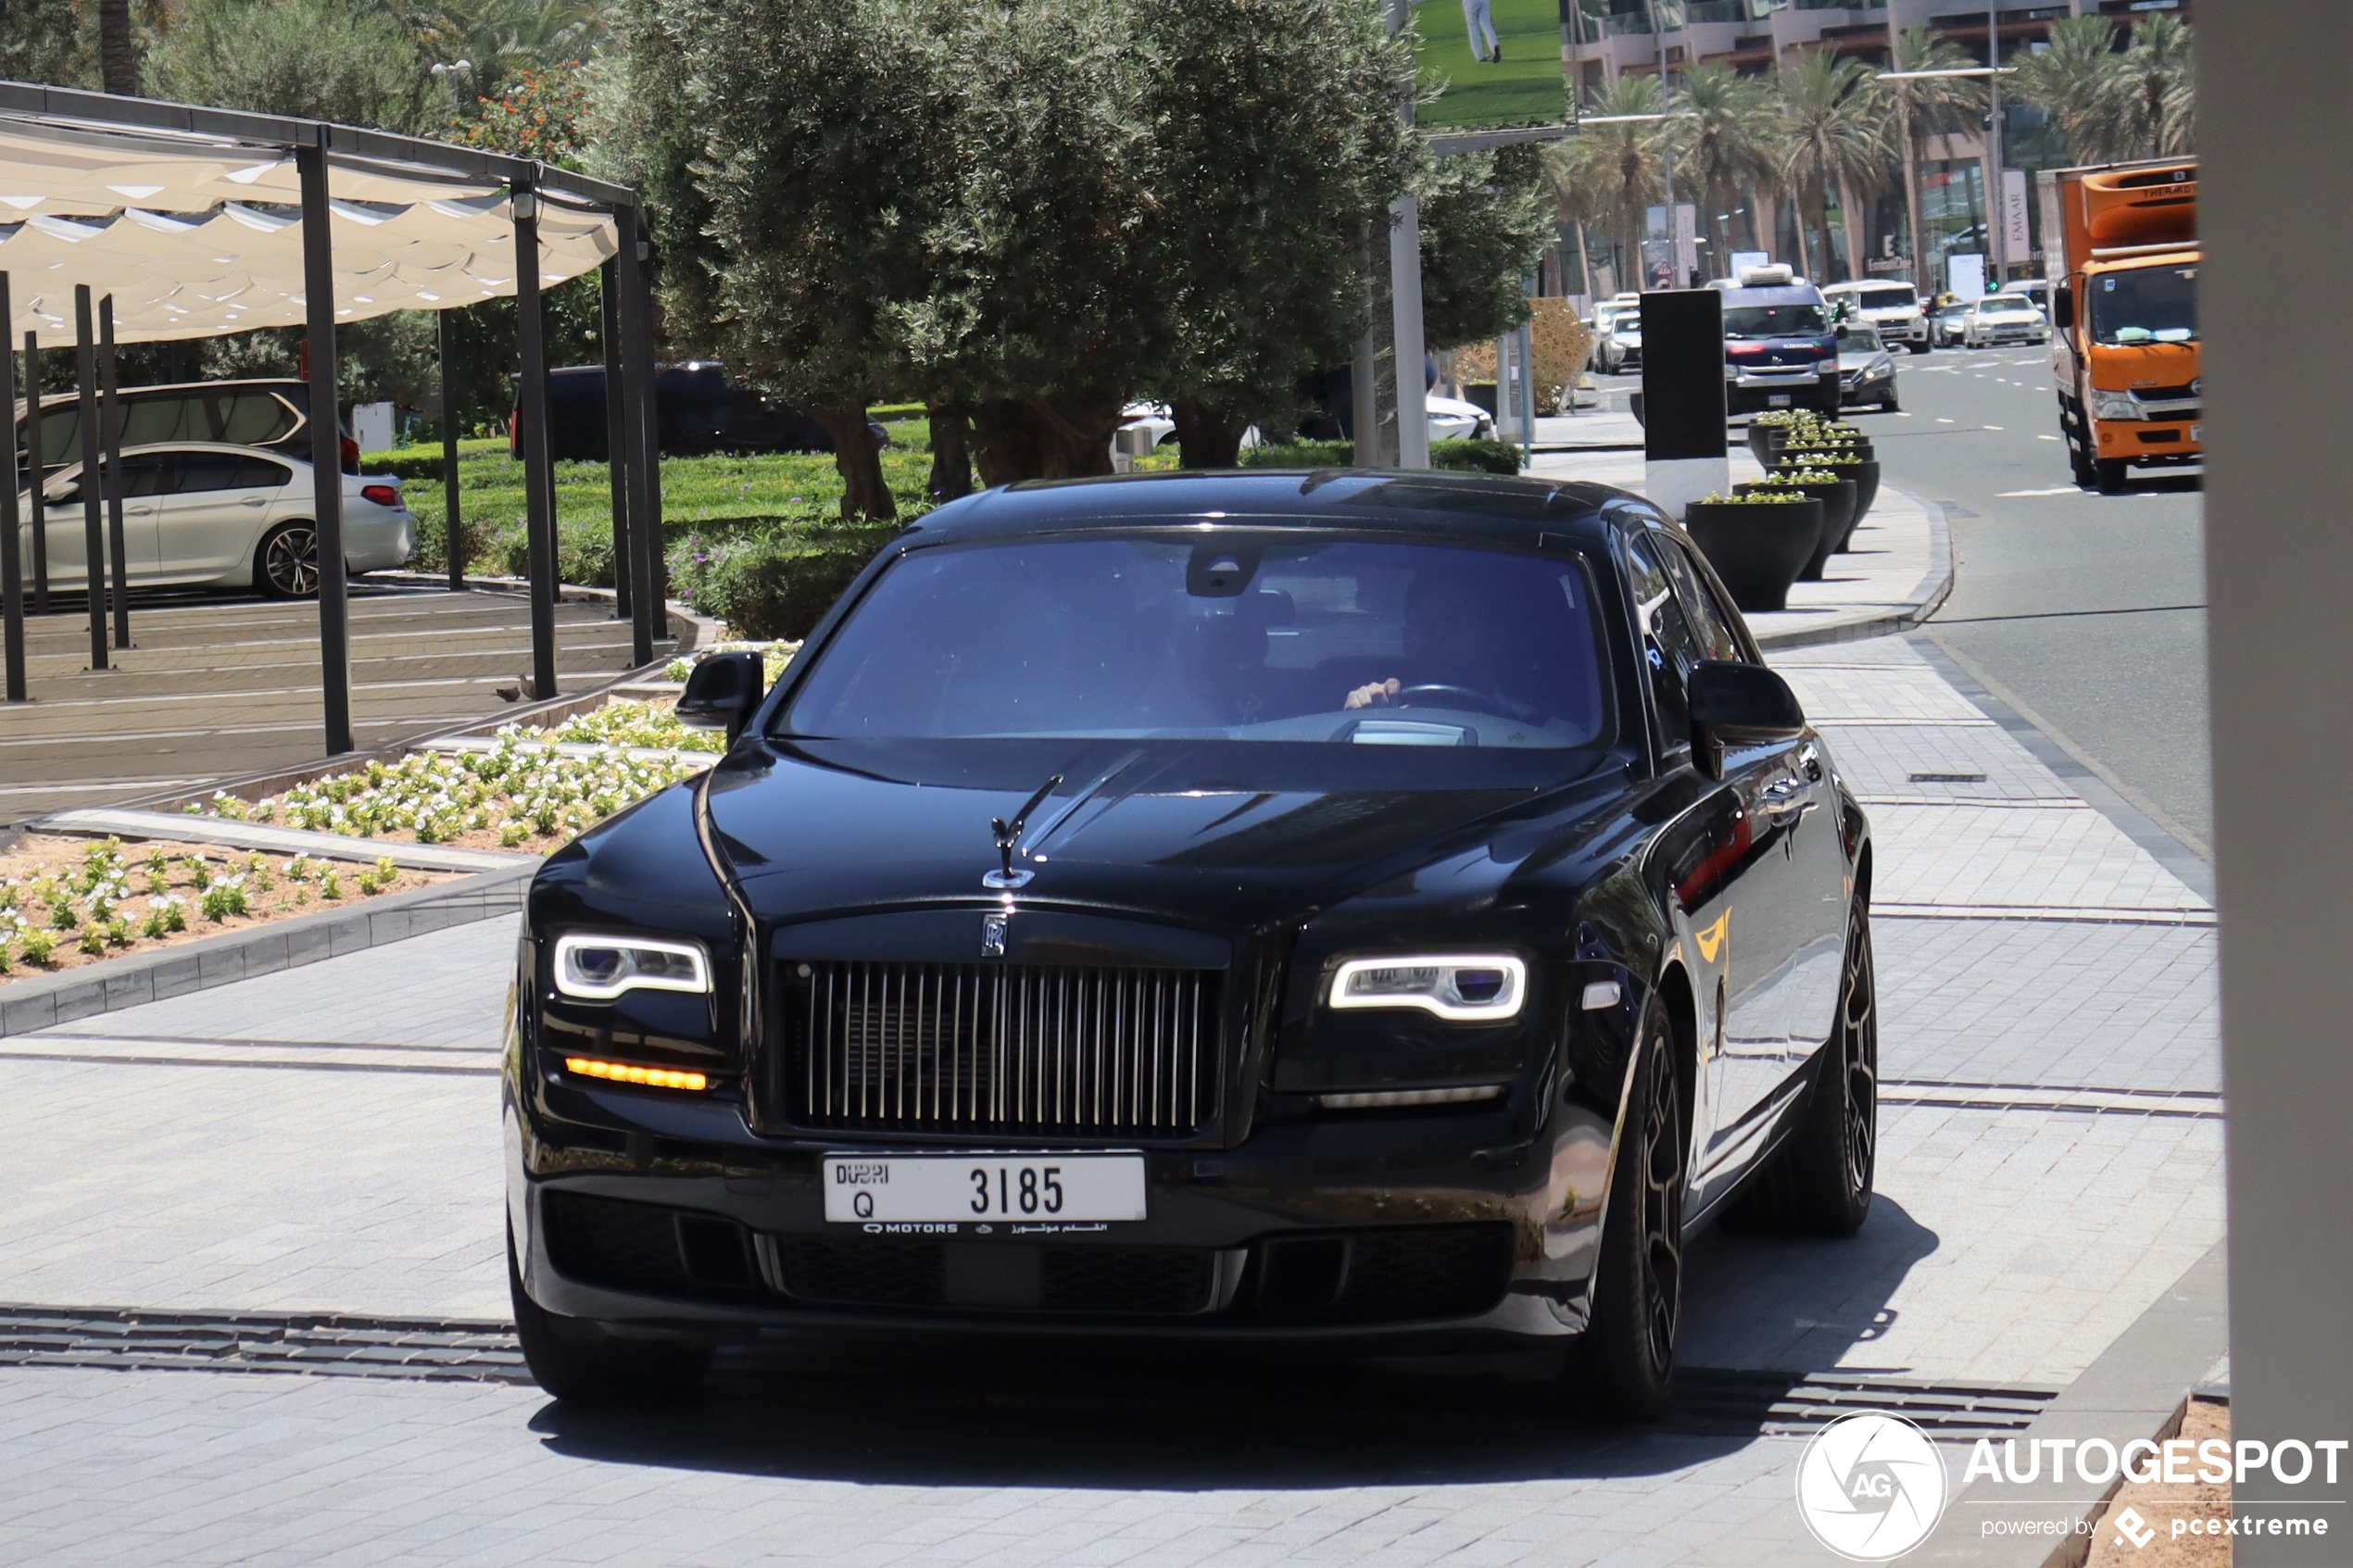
1387	909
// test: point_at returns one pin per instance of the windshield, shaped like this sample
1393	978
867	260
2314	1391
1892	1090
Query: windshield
1887	298
1774	321
1358	642
2005	305
2149	305
1857	340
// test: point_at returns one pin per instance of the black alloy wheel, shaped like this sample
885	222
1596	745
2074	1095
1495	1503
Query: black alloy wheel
582	1362
1819	1183
1625	1362
286	565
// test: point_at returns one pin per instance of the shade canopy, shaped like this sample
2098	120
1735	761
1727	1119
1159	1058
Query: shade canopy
193	222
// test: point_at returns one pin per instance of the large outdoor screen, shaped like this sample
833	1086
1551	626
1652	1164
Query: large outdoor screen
1496	62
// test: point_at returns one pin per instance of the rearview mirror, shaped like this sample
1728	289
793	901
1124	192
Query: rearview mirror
721	692
1735	705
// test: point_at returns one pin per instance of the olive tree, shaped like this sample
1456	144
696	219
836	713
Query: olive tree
1270	136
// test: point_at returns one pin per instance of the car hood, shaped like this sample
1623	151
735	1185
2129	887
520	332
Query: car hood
1222	834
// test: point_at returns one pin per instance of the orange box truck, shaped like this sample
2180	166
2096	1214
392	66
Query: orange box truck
2124	315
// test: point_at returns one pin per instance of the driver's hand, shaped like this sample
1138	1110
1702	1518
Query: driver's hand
1380	693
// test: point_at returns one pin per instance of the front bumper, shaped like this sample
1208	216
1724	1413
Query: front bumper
1406	1226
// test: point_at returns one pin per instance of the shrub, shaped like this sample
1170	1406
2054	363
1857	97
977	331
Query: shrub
776	587
1461	457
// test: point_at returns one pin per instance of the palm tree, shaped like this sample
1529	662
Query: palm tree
2078	81
118	59
1729	140
1832	141
2155	95
1935	105
1617	170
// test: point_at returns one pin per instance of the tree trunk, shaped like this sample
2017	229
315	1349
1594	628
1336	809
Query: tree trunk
859	461
1767	215
117	62
1029	437
1208	438
1822	229
1853	219
1912	206
951	465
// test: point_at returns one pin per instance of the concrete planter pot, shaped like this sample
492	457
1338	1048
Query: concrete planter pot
1757	550
1837	497
1866	477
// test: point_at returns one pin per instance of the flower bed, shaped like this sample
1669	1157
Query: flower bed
65	902
520	795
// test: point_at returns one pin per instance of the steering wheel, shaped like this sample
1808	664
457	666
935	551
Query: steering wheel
1457	696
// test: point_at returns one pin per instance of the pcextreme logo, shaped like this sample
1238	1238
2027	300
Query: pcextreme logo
1871	1487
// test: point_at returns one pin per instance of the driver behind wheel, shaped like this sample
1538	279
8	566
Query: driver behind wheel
1453	631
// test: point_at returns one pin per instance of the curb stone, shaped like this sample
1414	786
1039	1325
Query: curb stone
1924	600
139	978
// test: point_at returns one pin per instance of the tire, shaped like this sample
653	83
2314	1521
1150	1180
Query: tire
1819	1181
1920	345
1624	1362
2110	475
578	1362
285	564
1888	405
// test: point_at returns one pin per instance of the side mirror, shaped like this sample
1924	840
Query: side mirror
1735	705
2063	307
721	692
57	496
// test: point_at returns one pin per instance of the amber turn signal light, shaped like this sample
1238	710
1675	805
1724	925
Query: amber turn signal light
629	1073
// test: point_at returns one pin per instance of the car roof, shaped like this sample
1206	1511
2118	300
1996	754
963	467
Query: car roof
1430	505
272	455
1780	294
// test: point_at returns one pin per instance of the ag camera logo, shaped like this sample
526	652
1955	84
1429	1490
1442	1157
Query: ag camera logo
1871	1487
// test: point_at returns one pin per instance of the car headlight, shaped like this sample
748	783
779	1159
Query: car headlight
2115	406
597	969
1461	986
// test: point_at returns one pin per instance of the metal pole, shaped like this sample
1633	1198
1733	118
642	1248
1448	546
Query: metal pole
456	529
111	417
649	620
616	436
93	549
35	461
1406	294
1527	396
1667	165
1997	242
538	472
11	565
326	449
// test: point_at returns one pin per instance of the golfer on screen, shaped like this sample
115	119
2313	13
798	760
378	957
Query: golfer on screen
1481	24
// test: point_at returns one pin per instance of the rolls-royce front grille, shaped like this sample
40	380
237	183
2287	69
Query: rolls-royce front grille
1003	1048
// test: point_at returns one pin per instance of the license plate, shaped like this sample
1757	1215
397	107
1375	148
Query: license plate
1778	400
937	1188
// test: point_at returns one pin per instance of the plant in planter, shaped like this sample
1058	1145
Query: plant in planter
1837	495
1847	462
1757	540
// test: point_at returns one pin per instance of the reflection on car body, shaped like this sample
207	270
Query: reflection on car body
1377	909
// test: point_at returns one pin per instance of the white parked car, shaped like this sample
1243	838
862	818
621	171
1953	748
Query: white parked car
205	514
2004	317
1893	310
1451	418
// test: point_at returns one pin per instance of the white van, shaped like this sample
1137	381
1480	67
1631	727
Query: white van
1891	309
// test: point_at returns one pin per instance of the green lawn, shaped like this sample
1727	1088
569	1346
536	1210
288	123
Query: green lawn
1524	88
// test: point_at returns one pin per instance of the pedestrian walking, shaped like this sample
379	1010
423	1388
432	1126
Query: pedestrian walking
1480	21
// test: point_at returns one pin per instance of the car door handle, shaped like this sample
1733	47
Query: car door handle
255	501
1784	800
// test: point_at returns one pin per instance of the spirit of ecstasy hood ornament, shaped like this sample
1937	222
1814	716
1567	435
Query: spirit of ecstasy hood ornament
1004	879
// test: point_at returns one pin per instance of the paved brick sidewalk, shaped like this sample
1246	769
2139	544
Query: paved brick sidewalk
2050	1164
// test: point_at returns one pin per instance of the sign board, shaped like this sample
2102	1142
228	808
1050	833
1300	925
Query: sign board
372	426
2014	242
1965	277
1494	64
1666	265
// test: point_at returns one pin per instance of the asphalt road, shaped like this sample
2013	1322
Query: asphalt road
2085	613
